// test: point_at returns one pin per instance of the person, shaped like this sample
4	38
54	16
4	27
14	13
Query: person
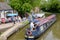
19	19
31	26
9	19
13	19
0	20
16	17
24	18
35	20
6	20
29	19
3	20
33	16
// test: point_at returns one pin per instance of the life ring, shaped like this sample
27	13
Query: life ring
29	33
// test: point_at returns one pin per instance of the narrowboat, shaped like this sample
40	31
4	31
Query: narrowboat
43	25
34	16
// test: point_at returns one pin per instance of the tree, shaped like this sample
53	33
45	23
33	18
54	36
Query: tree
26	7
15	4
36	3
50	5
1	0
22	6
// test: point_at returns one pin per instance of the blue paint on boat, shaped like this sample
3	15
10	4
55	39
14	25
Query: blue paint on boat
43	26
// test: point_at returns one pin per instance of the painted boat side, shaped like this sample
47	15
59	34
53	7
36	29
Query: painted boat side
46	23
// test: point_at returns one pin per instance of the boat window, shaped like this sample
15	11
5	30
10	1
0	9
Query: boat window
44	25
51	21
54	18
41	28
48	24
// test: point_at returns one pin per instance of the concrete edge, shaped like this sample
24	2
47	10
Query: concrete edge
10	31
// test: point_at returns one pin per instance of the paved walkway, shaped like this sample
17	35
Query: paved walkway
6	34
5	26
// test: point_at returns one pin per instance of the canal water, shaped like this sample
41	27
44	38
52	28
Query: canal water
53	33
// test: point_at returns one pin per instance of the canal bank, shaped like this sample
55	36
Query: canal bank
53	33
6	34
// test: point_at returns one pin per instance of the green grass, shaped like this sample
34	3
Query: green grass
25	22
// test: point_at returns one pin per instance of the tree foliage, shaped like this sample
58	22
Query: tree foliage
15	4
36	3
22	6
1	0
50	5
26	7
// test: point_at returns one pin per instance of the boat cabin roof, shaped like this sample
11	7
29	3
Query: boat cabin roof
50	16
39	15
46	19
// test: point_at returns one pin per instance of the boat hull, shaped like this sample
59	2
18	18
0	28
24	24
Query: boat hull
42	29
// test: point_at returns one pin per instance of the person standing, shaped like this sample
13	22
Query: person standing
16	18
31	26
3	20
9	19
19	19
13	19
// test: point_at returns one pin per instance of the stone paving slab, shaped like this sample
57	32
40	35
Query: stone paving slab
13	29
5	26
